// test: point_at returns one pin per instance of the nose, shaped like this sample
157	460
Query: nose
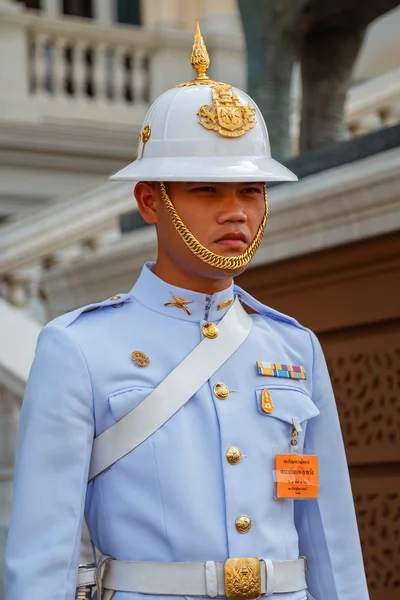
232	209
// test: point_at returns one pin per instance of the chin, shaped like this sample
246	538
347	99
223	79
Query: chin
229	252
218	273
233	273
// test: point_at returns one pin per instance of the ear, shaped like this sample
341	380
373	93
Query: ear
147	196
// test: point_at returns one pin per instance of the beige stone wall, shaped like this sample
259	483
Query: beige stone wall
183	14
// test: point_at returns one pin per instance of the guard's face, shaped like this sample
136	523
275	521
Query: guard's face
224	217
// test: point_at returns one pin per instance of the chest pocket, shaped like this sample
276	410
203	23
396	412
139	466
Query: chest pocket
122	402
288	403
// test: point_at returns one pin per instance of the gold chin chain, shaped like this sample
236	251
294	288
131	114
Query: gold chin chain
215	260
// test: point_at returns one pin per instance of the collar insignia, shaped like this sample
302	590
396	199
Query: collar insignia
179	303
224	304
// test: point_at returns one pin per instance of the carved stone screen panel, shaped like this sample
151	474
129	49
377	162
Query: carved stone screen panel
365	370
364	365
377	500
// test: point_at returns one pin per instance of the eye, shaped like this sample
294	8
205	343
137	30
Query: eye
208	189
252	190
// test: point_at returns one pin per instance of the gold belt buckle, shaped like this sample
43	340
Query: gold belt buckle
242	578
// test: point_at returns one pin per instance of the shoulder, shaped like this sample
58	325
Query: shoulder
63	343
90	311
269	313
297	336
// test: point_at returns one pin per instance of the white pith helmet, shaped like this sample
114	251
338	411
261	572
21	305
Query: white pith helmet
204	131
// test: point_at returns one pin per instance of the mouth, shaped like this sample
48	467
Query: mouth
233	239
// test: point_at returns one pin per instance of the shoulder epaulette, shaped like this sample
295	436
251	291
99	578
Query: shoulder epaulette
264	310
115	301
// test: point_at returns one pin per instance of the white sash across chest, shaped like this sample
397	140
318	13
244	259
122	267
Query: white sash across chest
172	393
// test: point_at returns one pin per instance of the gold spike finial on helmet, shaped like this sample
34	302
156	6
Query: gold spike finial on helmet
199	59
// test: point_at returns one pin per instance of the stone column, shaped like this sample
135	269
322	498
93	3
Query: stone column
9	410
221	17
170	62
162	14
190	11
221	28
15	104
53	8
9	5
105	11
17	290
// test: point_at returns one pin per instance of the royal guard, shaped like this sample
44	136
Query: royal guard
200	442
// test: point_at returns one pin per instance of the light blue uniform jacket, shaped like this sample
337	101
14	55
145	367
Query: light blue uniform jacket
176	497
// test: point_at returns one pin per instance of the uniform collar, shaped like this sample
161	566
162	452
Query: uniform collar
176	302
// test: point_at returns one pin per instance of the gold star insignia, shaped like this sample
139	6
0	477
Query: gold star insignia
179	303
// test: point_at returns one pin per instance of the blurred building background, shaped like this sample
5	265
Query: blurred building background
76	79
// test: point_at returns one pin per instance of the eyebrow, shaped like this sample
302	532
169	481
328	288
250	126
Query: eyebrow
202	183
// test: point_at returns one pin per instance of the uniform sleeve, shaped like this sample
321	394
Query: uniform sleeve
52	460
327	527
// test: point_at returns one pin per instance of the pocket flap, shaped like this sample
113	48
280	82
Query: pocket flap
288	403
122	402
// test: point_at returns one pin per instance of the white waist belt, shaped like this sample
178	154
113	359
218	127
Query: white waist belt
197	579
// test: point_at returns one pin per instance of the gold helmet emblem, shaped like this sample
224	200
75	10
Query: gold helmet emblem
225	115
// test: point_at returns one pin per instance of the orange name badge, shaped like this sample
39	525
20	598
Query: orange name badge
296	476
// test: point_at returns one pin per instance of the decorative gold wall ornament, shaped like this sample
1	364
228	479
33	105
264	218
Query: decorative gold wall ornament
179	303
230	263
242	578
226	115
200	61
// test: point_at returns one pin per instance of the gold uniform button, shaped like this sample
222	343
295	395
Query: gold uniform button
233	455
210	330
221	391
243	524
115	298
140	358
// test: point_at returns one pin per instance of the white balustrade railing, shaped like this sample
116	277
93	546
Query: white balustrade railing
83	69
72	67
375	103
66	66
90	215
64	232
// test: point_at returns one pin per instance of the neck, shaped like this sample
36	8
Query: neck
193	281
